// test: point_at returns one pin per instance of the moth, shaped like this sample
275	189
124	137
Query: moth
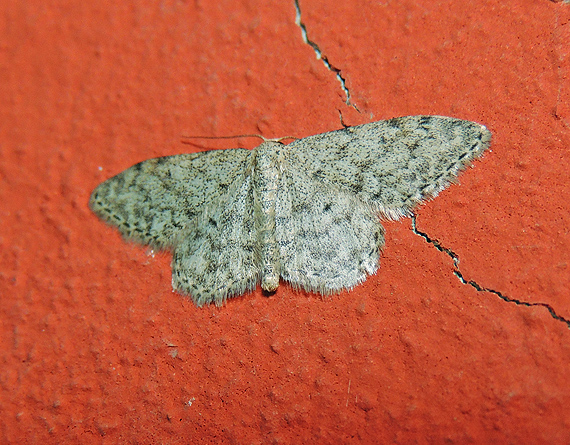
307	213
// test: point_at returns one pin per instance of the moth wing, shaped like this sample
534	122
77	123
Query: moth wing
393	164
218	256
154	201
328	240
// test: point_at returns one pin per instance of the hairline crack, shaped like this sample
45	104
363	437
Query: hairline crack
457	272
321	56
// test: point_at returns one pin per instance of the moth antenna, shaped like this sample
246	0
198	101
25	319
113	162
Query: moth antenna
238	136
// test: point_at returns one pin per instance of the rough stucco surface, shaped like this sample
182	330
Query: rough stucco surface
96	347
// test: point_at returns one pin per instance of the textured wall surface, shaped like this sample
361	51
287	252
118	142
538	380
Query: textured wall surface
463	335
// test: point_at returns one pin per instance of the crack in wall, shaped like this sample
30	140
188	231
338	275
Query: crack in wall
477	286
321	56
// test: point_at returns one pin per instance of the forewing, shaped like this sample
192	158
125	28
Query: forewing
217	257
392	164
328	240
153	201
